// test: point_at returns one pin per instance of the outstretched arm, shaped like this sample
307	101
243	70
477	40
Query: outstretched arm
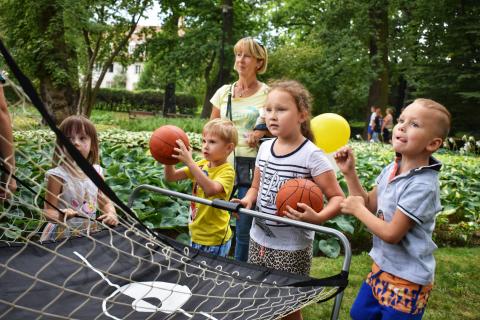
109	215
209	186
251	197
173	174
6	147
54	188
345	160
328	183
391	232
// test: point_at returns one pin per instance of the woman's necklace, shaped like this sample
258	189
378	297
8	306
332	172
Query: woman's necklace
246	90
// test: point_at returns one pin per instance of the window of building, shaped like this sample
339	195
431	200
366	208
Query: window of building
138	68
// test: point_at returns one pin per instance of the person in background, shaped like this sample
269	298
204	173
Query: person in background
387	125
371	122
377	125
247	96
213	178
8	184
400	211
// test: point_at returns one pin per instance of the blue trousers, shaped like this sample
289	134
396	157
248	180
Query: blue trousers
242	231
367	307
220	250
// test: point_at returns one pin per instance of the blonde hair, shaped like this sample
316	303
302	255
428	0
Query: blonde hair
443	115
78	124
223	128
303	100
390	111
253	47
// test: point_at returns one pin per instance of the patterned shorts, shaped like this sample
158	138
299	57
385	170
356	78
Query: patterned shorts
397	293
298	261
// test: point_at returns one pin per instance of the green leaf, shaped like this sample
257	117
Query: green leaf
183	238
330	247
344	223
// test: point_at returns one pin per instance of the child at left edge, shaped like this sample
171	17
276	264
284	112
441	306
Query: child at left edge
213	178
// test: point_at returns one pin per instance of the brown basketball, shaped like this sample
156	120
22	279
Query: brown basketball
162	142
299	190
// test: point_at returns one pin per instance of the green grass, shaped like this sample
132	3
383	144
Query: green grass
456	292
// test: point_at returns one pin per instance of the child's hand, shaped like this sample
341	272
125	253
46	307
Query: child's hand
307	215
68	214
245	202
184	154
109	218
345	160
352	204
254	138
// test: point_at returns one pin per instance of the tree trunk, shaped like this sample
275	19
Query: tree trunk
225	60
207	106
169	101
378	45
401	95
60	101
59	92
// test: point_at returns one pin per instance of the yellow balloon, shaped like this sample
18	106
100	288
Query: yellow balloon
330	130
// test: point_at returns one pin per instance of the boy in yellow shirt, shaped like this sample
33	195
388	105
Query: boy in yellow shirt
213	178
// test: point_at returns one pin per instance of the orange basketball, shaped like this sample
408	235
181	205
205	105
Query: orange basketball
162	142
299	190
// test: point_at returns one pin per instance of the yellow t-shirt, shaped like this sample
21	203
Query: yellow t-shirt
245	114
209	226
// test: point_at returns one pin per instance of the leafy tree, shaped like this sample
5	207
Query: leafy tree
381	51
106	29
441	58
197	56
56	41
330	41
37	35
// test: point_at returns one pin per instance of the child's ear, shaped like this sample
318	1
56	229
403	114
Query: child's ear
303	116
230	147
435	144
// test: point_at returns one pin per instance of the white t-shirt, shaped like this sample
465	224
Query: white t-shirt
307	161
372	119
79	194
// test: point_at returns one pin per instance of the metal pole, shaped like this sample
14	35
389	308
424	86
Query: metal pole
227	205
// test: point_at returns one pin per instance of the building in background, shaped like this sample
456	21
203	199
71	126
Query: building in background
119	76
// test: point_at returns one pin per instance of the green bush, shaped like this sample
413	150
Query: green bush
128	163
144	100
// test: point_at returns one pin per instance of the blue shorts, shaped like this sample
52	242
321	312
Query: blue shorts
221	250
385	296
369	129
